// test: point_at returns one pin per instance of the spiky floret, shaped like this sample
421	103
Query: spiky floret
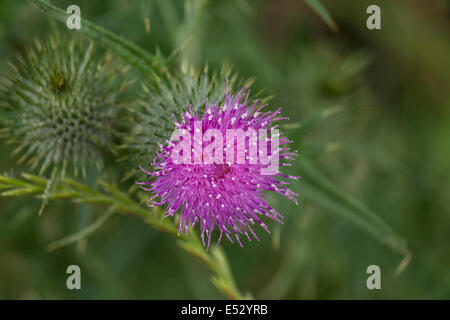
63	101
228	196
152	118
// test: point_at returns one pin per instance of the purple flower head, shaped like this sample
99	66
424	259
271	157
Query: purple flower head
222	184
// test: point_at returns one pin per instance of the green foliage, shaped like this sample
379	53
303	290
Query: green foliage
323	13
145	62
321	191
366	116
117	200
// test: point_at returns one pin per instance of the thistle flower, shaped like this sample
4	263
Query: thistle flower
228	196
63	101
152	120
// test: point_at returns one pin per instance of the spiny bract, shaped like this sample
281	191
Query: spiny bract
63	101
230	197
153	122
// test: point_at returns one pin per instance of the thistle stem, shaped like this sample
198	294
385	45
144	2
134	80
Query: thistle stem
215	259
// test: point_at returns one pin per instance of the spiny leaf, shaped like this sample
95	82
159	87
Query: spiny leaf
145	62
317	188
81	187
62	100
82	234
21	191
35	179
117	193
50	188
78	192
12	181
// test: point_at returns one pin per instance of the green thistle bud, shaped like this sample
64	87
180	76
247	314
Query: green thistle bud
63	101
153	117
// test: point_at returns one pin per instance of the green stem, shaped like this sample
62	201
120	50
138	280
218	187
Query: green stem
215	259
82	234
316	185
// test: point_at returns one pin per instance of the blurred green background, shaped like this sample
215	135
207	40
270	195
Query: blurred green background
384	140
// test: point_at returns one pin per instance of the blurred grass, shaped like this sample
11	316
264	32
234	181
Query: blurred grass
387	146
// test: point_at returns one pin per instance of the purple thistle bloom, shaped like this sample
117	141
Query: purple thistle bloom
229	196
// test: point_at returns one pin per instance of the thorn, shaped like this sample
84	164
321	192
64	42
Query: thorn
41	209
147	25
404	263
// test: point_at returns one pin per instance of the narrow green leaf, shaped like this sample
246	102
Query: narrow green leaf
4	186
50	188
81	187
12	181
65	195
323	13
35	179
82	234
101	200
145	62
117	193
317	188
21	191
